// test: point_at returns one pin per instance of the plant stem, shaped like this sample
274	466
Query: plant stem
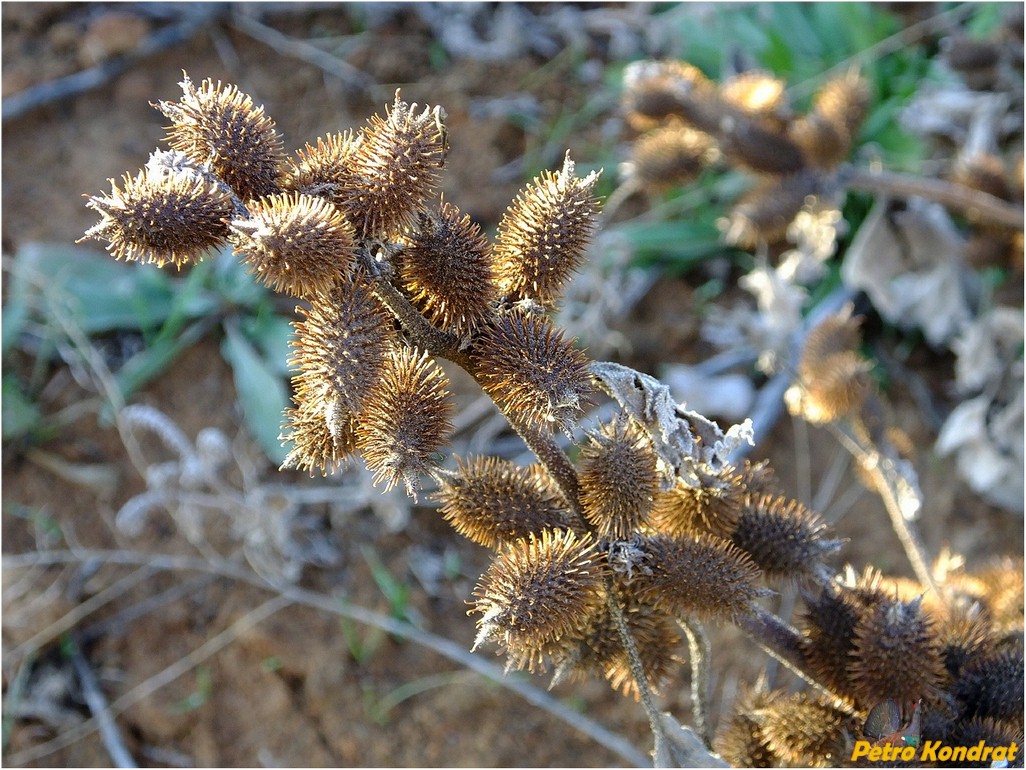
634	659
974	204
698	656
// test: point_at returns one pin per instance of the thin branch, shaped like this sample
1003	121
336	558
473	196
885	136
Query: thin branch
897	42
94	698
698	657
305	52
892	488
77	613
149	686
783	642
445	647
634	659
974	204
195	18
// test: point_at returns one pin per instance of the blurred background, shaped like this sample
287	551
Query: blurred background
143	513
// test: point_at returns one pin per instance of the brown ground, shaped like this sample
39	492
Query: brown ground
290	691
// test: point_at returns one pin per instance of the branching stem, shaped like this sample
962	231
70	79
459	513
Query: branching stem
974	204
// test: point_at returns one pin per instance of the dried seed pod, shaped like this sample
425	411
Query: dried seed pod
396	168
823	143
895	654
494	502
296	243
828	641
756	93
325	170
528	369
740	740
618	479
763	213
323	435
843	102
987	732
783	537
991	685
746	143
543	235
159	218
539	596
447	270
804	732
601	649
833	379
713	507
656	90
702	576
220	126
669	156
406	420
963	636
1002	594
341	345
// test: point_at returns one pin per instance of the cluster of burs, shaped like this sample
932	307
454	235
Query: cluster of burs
613	551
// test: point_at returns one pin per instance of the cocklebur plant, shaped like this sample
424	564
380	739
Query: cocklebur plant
687	123
599	566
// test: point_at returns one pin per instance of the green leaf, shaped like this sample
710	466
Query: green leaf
20	415
272	334
260	390
100	293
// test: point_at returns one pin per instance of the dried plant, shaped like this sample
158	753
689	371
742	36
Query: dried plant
595	561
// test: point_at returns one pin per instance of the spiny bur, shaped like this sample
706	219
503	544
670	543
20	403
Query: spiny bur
600	649
833	379
895	654
221	127
527	368
341	345
783	537
494	502
712	506
295	243
322	435
162	217
325	169
618	478
447	270
699	576
406	420
396	166
669	156
539	595
804	731
543	235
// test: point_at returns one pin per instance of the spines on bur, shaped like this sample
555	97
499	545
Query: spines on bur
406	420
324	169
341	345
295	243
699	576
161	217
619	479
396	167
221	127
539	595
447	270
783	537
493	502
543	235
527	368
